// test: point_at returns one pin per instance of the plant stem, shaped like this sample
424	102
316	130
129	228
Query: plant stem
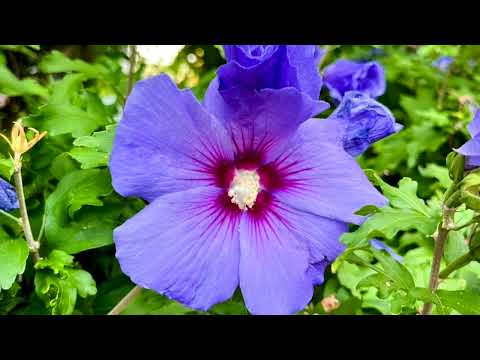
133	60
126	301
460	227
442	232
457	264
27	230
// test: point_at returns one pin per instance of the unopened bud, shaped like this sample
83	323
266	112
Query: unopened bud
330	303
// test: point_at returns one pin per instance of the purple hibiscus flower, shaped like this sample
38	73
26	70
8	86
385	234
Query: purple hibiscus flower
346	75
443	63
8	196
471	149
364	121
254	72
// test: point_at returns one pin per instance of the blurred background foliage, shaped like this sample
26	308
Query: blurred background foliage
76	93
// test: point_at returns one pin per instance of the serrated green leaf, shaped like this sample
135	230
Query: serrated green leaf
70	228
59	295
57	260
94	151
58	62
11	86
63	114
438	172
83	281
387	222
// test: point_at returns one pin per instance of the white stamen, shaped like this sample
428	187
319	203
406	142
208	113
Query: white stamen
244	188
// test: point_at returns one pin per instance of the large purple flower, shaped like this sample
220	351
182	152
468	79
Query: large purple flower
364	121
346	75
253	72
471	149
256	201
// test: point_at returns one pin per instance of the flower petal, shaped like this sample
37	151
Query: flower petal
255	119
474	126
165	142
257	67
346	75
319	177
183	245
284	252
273	266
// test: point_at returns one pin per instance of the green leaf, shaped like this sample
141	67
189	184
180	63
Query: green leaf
60	295
57	260
93	151
151	303
438	172
13	257
58	62
71	224
58	282
403	197
387	222
395	270
6	167
83	281
11	86
65	113
465	302
406	211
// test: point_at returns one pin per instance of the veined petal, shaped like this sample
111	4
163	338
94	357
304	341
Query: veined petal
474	126
273	265
318	176
165	142
470	148
284	252
346	75
277	115
183	245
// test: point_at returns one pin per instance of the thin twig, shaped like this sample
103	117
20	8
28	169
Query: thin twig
442	233
131	72
27	230
126	301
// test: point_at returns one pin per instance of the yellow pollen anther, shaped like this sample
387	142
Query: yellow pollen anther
244	188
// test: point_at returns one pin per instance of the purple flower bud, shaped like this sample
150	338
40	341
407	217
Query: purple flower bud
346	75
365	121
8	196
443	63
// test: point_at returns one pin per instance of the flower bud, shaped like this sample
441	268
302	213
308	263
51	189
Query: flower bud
455	165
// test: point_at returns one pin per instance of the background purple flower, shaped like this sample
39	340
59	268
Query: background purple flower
364	120
346	75
471	149
8	196
443	63
380	245
253	201
251	70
